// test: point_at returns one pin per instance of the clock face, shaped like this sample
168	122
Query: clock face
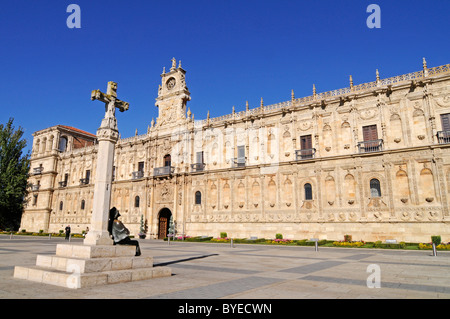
170	83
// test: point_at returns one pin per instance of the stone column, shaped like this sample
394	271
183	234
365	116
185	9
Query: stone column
98	233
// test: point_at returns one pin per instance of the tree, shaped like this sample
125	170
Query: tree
14	169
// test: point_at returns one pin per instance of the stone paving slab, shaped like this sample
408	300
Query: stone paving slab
213	271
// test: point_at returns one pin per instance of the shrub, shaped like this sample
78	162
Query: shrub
436	240
223	235
278	236
347	238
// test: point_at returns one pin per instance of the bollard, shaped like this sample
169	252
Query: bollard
70	236
316	246
10	236
49	236
168	240
434	250
231	243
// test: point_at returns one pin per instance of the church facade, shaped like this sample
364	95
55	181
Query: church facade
369	160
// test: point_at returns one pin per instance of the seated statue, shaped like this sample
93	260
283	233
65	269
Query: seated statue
118	231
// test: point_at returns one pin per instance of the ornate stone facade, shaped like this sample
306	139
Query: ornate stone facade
370	160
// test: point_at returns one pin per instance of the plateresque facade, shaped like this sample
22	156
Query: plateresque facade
370	160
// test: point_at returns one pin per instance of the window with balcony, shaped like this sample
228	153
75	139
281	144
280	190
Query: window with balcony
239	161
38	170
64	182
199	165
444	135
167	169
306	150
86	179
140	172
371	141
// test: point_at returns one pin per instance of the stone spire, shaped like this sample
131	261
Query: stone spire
425	68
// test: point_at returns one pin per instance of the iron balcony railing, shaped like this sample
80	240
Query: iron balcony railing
162	171
35	187
137	175
84	181
308	153
238	162
198	167
38	170
370	146
63	184
443	137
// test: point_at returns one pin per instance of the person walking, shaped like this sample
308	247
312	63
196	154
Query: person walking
67	229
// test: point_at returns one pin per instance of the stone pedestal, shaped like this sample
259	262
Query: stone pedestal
78	266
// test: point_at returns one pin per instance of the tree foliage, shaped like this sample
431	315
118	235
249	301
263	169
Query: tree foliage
14	167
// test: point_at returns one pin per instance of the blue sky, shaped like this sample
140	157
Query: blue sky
233	51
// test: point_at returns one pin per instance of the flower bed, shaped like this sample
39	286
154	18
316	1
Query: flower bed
439	247
348	243
221	240
279	241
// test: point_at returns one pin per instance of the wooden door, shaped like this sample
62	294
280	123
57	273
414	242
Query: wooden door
163	223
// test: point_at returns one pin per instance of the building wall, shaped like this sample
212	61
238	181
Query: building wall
265	193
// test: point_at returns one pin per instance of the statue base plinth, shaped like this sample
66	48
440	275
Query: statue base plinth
79	266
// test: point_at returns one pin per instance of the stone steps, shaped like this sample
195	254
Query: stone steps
79	266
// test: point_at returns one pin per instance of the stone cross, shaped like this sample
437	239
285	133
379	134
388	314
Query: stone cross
111	103
107	136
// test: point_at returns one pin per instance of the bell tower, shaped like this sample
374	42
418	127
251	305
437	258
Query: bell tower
173	95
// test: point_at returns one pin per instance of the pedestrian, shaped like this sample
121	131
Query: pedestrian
67	229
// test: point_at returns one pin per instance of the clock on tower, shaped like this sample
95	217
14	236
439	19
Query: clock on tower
173	95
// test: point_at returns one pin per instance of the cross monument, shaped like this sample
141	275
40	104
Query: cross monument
107	136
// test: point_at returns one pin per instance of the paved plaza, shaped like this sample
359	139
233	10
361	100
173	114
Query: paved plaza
214	271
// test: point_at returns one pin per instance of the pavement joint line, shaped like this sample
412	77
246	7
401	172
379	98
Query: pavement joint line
390	285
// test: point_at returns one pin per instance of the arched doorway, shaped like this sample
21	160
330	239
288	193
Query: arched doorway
163	223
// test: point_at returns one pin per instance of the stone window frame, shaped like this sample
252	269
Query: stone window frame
375	186
311	197
198	198
137	201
